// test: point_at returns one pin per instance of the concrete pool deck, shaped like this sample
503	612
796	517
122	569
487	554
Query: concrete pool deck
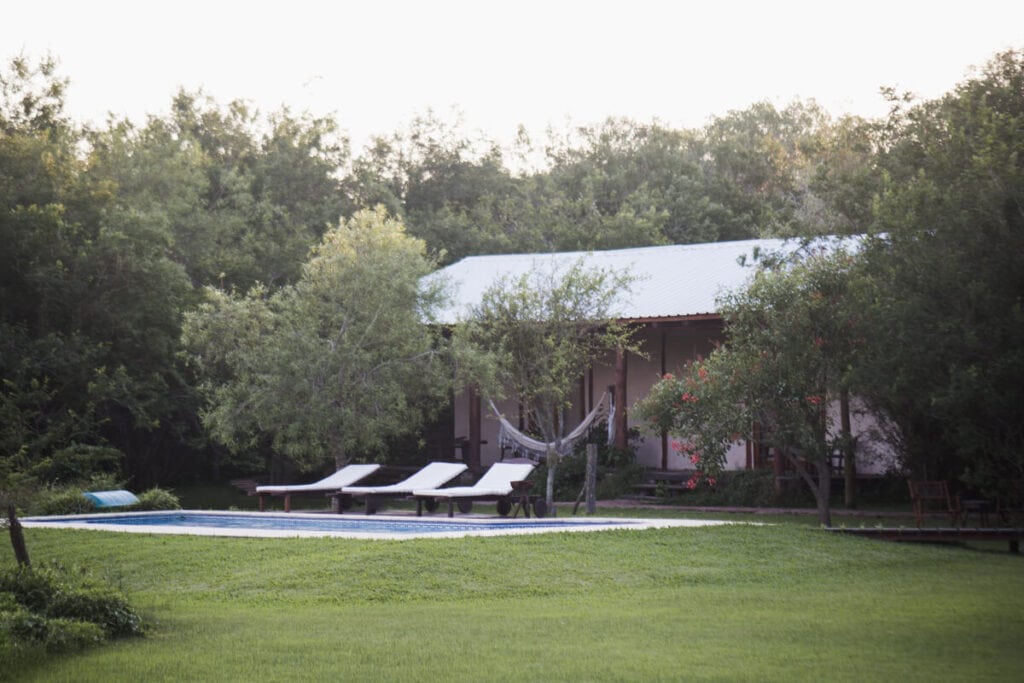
376	527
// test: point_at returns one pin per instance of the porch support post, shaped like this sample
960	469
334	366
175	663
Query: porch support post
849	454
473	450
664	370
621	420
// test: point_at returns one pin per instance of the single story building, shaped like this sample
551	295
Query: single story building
672	302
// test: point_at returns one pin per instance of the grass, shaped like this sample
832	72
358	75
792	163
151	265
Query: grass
740	603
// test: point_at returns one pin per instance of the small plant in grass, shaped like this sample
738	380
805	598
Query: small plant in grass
53	610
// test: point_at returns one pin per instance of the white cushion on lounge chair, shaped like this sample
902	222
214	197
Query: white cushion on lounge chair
497	481
349	474
433	475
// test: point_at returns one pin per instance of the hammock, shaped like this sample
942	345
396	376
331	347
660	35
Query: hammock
525	446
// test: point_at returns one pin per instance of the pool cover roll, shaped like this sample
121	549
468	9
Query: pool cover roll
111	499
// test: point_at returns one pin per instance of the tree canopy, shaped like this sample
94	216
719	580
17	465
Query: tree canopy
332	367
112	234
949	316
927	325
537	334
793	337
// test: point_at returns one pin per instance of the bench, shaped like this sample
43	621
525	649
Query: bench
660	482
926	495
246	486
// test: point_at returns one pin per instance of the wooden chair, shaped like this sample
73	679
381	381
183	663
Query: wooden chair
925	494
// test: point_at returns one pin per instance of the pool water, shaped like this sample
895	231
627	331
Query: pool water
298	524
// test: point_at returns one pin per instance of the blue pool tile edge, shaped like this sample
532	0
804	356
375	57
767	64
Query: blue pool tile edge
462	527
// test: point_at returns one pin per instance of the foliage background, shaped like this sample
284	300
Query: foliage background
111	234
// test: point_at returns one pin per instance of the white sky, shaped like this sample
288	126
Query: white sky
374	64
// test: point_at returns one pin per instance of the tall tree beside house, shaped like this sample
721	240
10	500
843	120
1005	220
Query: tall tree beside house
90	302
329	369
948	368
538	334
792	341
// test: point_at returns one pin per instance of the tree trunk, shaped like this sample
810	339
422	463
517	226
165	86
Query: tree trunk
554	456
822	493
591	478
820	486
621	421
17	537
338	451
472	453
549	493
849	456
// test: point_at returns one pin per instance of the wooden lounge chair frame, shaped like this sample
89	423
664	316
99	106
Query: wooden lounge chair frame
432	475
925	494
349	474
494	485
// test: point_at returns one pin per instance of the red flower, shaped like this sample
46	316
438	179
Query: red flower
815	400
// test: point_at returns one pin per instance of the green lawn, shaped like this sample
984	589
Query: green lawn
784	602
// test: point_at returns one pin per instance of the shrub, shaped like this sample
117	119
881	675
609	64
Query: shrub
67	635
617	469
157	499
67	498
30	588
749	488
62	502
78	462
619	482
745	488
104	607
22	628
52	608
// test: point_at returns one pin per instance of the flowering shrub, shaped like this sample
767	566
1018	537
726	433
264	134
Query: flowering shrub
694	409
789	353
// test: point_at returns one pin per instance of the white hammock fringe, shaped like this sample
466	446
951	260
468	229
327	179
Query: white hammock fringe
525	446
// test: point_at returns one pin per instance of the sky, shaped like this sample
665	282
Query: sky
499	64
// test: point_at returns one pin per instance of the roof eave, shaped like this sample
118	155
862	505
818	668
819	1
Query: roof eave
655	320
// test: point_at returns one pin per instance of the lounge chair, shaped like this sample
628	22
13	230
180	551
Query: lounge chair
349	474
499	483
432	476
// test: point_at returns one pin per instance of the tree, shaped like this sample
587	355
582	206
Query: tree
539	333
792	341
330	368
948	368
242	197
89	300
451	191
773	172
618	184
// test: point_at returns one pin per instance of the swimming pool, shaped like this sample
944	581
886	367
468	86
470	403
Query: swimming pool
248	524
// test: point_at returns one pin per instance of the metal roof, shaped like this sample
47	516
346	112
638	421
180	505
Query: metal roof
676	281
